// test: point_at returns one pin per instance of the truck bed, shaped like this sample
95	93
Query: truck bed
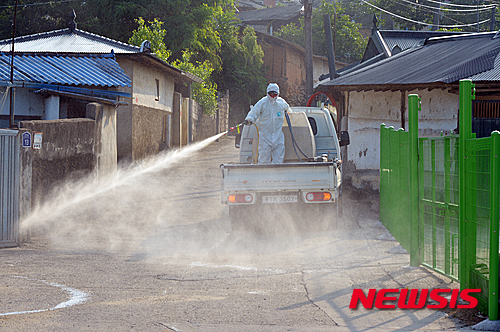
280	177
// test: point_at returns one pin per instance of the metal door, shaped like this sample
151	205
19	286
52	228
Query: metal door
9	188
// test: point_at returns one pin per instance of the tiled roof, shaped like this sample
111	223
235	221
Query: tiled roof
279	13
439	60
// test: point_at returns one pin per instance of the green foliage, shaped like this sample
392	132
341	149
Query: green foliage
220	52
154	33
242	71
349	43
205	93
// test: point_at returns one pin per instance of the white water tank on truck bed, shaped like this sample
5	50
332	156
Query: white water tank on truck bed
303	136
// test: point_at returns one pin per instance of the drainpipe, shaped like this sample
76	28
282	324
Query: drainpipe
190	115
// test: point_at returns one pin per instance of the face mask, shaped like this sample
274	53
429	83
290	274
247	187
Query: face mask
273	96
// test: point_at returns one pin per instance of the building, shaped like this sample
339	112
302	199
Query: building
377	93
285	63
51	86
151	119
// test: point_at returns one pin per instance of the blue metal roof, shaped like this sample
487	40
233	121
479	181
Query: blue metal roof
75	70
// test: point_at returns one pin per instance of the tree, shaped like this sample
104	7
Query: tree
242	71
200	36
205	93
349	43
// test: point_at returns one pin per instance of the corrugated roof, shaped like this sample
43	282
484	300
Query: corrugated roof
406	39
279	13
68	41
444	60
76	70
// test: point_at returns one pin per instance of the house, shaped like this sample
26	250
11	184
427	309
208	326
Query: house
285	63
270	19
244	5
377	93
51	86
151	120
83	89
385	43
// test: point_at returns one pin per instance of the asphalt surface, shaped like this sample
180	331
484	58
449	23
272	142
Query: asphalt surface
154	251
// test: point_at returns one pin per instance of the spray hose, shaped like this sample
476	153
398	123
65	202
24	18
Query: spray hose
295	145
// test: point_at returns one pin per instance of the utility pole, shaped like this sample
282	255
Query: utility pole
11	95
308	42
492	21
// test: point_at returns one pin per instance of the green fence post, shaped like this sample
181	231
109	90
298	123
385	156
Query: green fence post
494	224
384	173
465	132
413	108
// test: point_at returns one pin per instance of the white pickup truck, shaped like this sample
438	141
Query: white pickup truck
306	187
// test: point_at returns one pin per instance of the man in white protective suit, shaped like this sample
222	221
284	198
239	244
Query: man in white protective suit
270	112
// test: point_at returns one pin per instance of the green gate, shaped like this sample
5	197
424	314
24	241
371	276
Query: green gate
439	197
438	203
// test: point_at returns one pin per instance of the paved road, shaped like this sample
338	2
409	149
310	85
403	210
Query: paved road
153	251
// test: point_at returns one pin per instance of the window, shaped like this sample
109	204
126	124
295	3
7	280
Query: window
314	127
157	89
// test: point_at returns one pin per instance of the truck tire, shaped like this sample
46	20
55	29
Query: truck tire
240	217
317	217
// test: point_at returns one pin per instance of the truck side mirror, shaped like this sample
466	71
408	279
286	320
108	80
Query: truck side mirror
344	138
237	140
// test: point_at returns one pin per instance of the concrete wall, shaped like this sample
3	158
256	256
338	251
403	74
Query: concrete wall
67	152
143	126
368	110
150	131
205	126
105	148
70	150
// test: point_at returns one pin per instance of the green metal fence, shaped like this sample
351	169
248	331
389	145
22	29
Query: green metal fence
438	202
439	197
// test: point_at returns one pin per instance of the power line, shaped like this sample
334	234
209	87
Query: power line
40	3
455	5
449	11
423	23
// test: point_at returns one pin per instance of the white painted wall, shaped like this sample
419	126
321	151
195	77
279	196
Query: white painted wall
368	110
144	91
25	102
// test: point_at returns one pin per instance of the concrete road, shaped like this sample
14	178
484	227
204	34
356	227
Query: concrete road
152	250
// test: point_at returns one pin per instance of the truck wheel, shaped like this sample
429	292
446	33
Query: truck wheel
239	217
331	215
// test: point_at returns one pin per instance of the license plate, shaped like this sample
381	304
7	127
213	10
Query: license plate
279	199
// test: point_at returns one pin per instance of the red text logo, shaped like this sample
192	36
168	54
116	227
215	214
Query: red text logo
412	298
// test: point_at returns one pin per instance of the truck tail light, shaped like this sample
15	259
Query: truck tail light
319	196
240	198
